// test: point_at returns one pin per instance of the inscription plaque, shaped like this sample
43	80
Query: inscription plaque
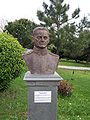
42	96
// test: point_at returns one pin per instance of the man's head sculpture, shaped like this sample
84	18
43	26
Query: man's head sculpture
40	61
40	37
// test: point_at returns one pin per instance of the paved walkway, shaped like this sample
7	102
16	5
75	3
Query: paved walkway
73	67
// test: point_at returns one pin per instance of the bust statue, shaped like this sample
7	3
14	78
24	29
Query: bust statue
40	61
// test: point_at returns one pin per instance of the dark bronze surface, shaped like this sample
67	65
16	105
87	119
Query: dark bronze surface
40	61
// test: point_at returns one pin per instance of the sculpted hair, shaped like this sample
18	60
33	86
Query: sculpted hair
40	28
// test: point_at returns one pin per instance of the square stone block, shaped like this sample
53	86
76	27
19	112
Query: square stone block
42	96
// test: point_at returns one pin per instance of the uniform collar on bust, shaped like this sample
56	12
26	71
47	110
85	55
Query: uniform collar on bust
40	51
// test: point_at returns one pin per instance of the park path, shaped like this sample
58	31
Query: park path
73	67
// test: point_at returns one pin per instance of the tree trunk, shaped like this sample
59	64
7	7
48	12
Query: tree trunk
57	52
88	59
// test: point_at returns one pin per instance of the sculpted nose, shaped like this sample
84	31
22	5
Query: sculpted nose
42	40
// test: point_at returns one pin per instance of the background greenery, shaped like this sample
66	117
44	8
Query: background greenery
66	62
11	62
68	38
22	30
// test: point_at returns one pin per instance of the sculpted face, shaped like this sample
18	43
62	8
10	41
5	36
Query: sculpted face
41	38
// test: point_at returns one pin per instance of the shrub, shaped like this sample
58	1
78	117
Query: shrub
65	88
11	62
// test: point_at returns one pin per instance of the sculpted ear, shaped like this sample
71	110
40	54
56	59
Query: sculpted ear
48	38
33	38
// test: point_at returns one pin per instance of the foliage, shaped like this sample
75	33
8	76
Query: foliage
65	88
84	35
77	46
22	30
66	62
84	24
74	48
55	17
11	62
52	48
71	47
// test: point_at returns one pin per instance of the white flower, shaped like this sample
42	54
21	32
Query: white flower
69	103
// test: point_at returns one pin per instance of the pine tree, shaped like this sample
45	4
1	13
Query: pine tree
84	36
55	17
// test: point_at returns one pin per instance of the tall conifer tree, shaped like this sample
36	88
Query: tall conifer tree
55	17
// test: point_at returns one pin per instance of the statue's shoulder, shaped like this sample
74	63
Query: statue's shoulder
27	53
54	55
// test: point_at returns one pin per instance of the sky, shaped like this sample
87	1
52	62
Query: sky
15	9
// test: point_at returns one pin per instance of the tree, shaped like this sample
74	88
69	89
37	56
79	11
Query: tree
78	46
55	17
84	35
22	30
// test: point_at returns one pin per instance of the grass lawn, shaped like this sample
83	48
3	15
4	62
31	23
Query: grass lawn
14	101
76	107
73	63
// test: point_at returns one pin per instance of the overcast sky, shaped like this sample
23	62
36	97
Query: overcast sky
15	9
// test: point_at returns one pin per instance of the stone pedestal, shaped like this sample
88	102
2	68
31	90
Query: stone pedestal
42	96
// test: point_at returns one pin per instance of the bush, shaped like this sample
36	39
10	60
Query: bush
65	88
11	62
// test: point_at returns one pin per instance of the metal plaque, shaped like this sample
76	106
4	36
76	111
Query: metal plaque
42	96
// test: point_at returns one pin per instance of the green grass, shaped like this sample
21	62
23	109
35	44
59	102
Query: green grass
14	101
73	63
75	107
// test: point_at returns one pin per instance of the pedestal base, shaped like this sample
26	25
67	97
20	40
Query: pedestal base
42	96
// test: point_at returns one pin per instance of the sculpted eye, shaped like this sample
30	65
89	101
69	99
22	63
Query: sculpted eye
39	37
45	37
